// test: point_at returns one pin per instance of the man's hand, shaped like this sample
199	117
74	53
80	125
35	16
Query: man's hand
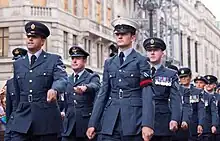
62	115
199	130
80	89
91	132
213	130
184	125
147	133
51	95
173	126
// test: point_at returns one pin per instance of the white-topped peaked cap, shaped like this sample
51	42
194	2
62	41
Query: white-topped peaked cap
123	25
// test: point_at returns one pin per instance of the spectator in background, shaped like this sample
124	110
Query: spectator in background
2	112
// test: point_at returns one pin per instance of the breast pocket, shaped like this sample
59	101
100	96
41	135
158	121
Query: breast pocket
45	78
112	76
132	78
20	78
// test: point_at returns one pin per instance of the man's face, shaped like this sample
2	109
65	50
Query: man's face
200	84
124	40
78	63
185	80
155	55
34	43
210	87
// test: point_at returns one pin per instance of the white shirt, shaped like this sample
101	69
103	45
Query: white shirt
37	54
126	52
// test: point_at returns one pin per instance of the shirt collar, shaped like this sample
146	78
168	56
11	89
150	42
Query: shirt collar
212	93
156	66
80	73
126	52
37	54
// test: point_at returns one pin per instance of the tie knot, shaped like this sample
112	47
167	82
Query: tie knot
76	76
33	57
121	55
153	69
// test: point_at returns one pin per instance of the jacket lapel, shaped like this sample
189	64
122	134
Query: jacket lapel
116	61
26	61
40	59
159	71
71	79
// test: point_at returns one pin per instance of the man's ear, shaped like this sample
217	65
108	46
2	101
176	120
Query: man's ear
133	37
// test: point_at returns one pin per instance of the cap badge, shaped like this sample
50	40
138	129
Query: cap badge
152	41
74	50
208	77
16	51
182	71
33	26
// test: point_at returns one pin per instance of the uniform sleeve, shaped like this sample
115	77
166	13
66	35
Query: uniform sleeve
8	102
187	107
59	76
101	99
94	85
175	100
201	110
214	111
148	110
16	86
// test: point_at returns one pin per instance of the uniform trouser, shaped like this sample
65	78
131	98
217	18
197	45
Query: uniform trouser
72	137
217	137
181	135
207	137
30	137
7	136
193	138
161	138
117	134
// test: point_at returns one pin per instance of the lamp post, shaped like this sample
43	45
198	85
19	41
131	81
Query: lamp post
150	5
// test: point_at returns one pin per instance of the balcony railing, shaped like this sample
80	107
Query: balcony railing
41	11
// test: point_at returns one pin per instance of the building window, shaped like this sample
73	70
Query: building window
124	3
65	45
218	60
65	5
86	8
99	55
212	55
4	3
206	68
98	11
4	42
189	52
196	56
206	55
88	46
40	2
74	39
75	7
181	48
109	16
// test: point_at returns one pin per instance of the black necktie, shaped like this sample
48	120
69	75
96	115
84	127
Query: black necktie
76	77
121	56
33	59
153	70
